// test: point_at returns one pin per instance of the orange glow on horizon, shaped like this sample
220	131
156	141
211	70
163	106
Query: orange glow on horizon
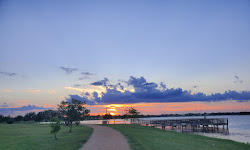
172	108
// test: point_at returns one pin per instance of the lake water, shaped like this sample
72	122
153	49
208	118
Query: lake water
239	126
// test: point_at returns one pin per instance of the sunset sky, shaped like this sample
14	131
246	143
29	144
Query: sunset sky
158	56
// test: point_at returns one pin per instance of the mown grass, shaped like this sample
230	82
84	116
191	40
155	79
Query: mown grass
38	137
149	138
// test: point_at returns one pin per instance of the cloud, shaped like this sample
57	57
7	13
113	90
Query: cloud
4	105
75	89
8	91
33	91
52	91
7	111
101	82
9	74
76	85
149	92
83	99
87	73
23	101
69	70
83	78
237	80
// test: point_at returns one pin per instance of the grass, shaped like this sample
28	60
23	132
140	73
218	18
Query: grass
149	138
38	137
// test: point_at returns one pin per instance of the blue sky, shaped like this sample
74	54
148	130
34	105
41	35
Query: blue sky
181	43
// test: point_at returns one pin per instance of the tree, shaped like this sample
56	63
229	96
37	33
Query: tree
18	118
55	126
131	112
1	118
29	116
49	114
73	110
39	117
6	119
107	116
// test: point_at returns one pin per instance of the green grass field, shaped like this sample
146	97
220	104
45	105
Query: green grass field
38	137
149	138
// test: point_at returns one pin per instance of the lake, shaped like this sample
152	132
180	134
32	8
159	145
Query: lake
239	126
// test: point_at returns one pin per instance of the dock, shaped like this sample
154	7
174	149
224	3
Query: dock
209	125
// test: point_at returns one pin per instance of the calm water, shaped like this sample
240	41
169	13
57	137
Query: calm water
239	126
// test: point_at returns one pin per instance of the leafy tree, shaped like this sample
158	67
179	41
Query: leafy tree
29	116
107	116
39	117
6	119
49	114
55	126
10	121
73	111
131	112
1	118
18	118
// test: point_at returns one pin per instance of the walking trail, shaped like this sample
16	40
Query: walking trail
105	138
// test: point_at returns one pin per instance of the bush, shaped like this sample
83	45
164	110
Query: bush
9	121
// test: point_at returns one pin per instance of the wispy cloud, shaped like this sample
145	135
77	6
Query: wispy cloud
237	79
8	73
69	70
52	91
75	89
8	91
87	74
23	101
76	85
83	78
149	92
4	105
33	91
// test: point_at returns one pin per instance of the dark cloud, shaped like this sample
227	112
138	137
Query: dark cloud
237	79
83	99
8	74
148	92
101	82
7	111
140	84
68	70
163	86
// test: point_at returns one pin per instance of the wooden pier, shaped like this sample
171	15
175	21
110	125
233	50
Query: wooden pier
215	125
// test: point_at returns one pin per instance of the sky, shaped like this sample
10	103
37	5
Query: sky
161	56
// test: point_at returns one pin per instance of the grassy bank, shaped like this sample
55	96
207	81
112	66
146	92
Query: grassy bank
38	137
149	138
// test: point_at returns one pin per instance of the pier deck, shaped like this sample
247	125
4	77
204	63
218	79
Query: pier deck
190	125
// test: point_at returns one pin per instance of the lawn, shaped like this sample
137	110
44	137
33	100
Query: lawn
149	138
38	137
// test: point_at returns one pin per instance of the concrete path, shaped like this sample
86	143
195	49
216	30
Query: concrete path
105	138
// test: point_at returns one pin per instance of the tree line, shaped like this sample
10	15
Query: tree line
68	112
30	117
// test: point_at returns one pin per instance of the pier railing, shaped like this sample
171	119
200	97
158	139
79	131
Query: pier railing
192	124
